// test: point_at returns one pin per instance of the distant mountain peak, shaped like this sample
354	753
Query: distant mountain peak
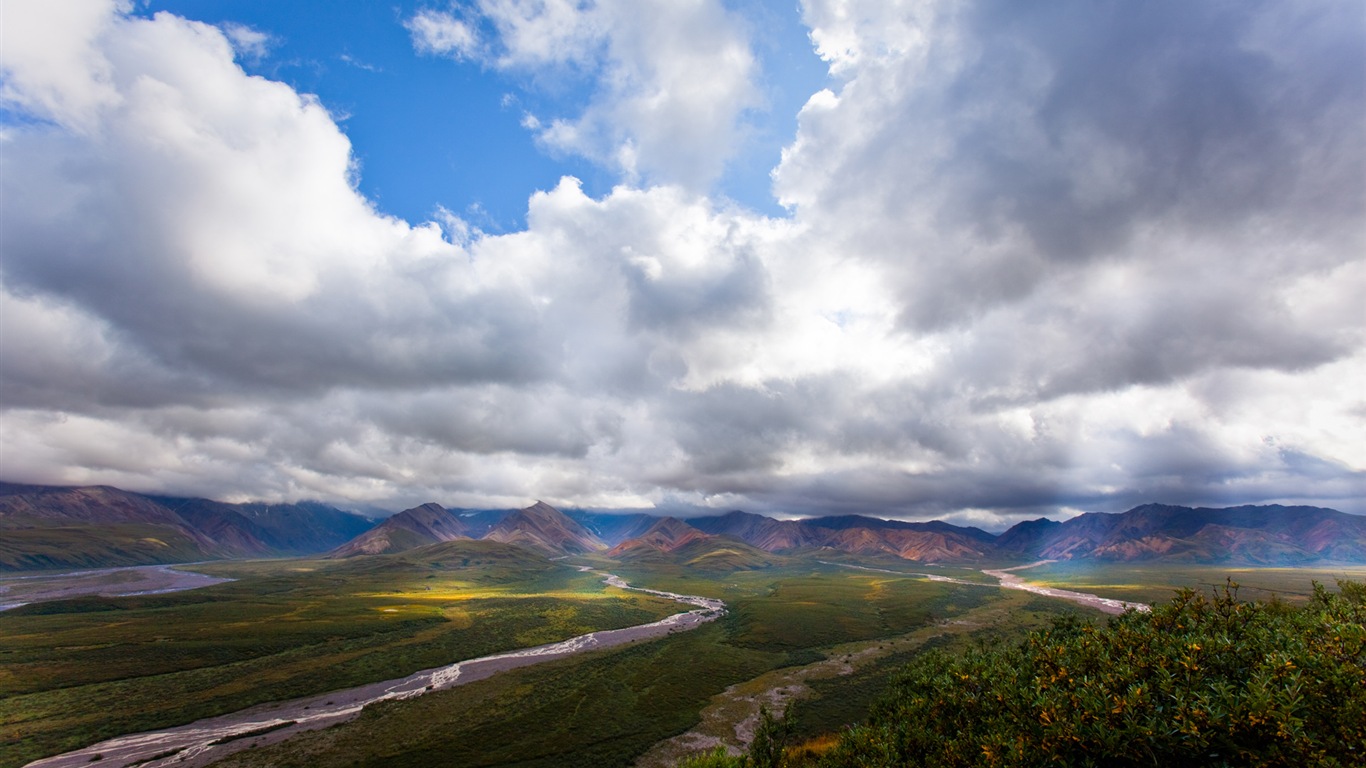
1254	534
102	526
666	535
123	528
428	523
543	527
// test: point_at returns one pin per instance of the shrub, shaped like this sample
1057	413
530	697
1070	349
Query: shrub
716	758
1199	681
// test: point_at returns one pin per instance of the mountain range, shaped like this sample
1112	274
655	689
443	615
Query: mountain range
46	527
50	527
1256	535
1259	535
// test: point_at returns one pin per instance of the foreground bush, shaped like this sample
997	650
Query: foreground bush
1196	682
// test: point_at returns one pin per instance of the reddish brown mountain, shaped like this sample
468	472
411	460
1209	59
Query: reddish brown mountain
922	542
52	505
666	535
427	524
920	546
1260	535
674	542
762	532
100	526
545	528
59	527
540	527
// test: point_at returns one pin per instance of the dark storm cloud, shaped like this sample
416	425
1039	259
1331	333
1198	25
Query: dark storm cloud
1182	467
1211	127
531	421
1159	334
1040	138
734	430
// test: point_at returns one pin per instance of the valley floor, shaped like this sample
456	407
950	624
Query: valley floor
210	740
825	636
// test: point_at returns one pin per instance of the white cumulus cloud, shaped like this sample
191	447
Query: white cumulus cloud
672	82
442	34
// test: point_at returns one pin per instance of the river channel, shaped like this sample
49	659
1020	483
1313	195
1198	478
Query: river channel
106	582
1008	580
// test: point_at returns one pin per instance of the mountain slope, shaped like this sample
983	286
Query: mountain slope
427	524
1259	535
110	545
306	527
100	526
924	542
843	522
666	535
37	505
483	562
545	528
222	523
479	522
539	527
613	529
762	532
919	546
674	542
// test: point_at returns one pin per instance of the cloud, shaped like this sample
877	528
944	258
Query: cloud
671	82
1000	154
251	43
212	225
51	51
203	257
1036	260
441	34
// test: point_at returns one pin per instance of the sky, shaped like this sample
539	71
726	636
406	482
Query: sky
974	261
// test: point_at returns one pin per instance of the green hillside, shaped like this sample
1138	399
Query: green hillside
94	546
1199	681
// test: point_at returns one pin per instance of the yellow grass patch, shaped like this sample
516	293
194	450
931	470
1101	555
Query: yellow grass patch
459	618
445	594
815	747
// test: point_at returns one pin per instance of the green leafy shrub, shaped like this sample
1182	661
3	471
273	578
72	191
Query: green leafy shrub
717	758
1199	681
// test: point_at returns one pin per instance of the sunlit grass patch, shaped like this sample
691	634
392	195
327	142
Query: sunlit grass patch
459	618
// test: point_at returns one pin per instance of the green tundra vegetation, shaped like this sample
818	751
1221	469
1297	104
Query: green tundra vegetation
605	708
1210	681
93	546
75	672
